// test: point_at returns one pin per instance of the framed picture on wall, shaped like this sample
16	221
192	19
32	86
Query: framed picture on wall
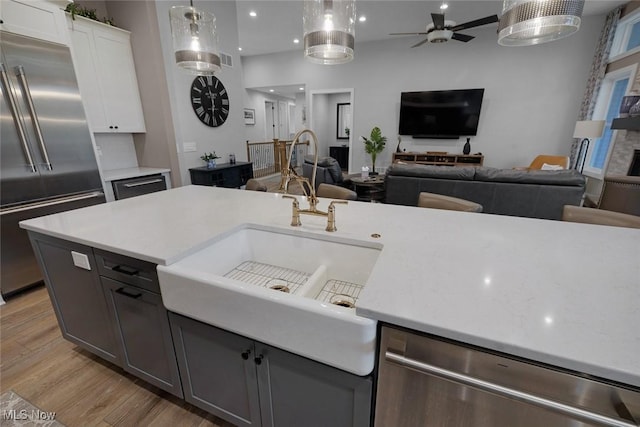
249	116
343	121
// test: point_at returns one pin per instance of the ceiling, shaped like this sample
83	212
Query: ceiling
279	22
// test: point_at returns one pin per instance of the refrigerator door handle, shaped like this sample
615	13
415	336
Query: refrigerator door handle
11	103
22	79
61	200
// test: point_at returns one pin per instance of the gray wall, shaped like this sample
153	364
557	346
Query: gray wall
225	139
532	94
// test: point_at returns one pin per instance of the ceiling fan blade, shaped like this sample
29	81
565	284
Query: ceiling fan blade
478	22
420	43
438	21
462	37
409	34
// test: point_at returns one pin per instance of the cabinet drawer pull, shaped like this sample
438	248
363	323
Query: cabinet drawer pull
121	291
258	359
129	271
503	391
245	354
137	184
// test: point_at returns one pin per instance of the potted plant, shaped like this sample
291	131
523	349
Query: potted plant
210	158
374	146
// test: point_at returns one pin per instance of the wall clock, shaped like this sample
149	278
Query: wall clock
209	100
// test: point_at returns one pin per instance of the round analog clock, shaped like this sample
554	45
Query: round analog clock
209	100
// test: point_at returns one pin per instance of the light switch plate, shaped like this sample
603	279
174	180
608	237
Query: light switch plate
80	260
189	147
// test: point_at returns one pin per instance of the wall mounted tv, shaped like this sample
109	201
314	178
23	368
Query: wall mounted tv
440	114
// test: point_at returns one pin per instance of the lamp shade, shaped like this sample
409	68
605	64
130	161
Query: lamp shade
531	22
589	129
329	30
195	42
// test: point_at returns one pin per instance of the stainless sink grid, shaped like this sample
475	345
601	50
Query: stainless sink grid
267	275
336	289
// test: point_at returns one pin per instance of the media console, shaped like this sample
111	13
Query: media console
439	159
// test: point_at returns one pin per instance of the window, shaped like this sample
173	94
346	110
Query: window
627	38
614	86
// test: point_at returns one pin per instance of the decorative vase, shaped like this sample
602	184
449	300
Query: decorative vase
211	163
467	147
627	103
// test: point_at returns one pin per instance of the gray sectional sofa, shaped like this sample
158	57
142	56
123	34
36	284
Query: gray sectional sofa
529	193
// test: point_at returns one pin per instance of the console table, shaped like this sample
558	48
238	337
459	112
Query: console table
439	159
223	175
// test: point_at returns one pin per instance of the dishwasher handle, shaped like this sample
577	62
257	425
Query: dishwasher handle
502	391
138	184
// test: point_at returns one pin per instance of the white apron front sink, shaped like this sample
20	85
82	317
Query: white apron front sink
237	283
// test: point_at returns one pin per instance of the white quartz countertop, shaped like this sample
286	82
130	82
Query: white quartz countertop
116	174
560	293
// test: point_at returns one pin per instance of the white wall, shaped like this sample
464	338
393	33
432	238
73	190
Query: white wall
321	112
255	100
225	139
531	101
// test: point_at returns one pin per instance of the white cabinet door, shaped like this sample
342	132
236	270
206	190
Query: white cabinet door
118	79
85	64
107	77
34	18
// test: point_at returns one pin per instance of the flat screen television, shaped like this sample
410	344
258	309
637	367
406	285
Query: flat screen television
440	113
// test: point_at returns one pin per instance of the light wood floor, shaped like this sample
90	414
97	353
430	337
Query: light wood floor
83	390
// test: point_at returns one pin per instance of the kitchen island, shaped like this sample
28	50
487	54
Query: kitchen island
558	293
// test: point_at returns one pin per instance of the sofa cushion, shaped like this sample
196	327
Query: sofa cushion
429	171
548	177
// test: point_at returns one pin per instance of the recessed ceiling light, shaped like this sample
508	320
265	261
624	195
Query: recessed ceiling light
444	6
301	88
271	90
240	49
296	41
253	14
362	18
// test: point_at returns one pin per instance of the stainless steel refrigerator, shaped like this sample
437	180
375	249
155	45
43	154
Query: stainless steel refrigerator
48	164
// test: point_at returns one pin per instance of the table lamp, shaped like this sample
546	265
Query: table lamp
586	129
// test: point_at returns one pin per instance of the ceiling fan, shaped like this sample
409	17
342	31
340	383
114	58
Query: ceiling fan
440	31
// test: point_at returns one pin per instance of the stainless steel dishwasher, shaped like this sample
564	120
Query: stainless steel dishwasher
131	187
425	381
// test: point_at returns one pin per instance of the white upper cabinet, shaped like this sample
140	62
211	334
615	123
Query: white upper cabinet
107	77
34	18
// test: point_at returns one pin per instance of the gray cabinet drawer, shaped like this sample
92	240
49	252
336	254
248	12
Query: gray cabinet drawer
131	187
128	270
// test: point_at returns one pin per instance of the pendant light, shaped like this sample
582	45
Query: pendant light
195	41
531	22
329	30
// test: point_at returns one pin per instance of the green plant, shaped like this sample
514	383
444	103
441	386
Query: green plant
75	9
209	156
374	145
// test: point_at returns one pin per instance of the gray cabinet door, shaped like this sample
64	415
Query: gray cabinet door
76	295
296	391
218	370
142	327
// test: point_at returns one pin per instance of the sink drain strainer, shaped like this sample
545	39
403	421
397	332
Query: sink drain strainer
343	300
280	288
279	285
